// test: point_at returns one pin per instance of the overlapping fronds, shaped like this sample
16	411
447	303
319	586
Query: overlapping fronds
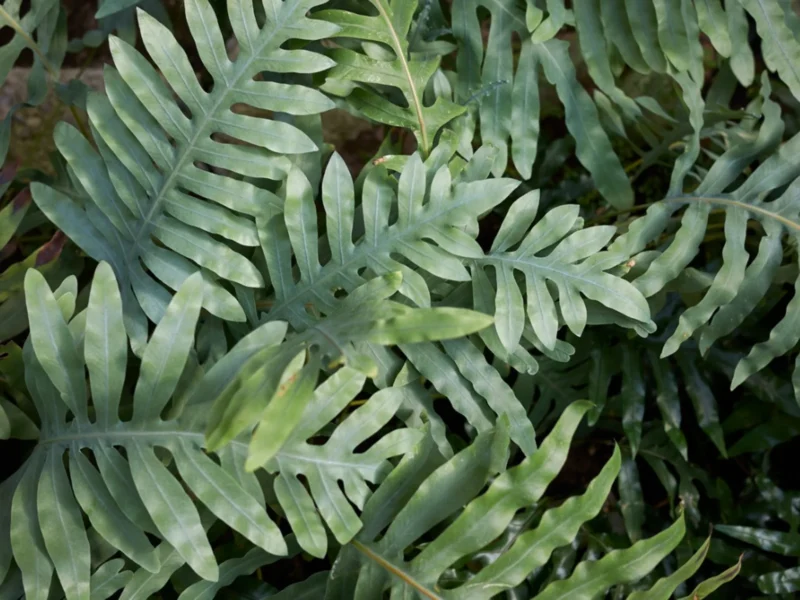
427	219
39	28
422	493
740	283
364	318
786	542
277	358
172	173
115	443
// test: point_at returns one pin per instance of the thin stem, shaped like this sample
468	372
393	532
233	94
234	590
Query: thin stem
705	199
743	205
16	26
401	56
395	571
615	213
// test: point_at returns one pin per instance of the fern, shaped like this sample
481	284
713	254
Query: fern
423	492
127	496
407	69
573	263
785	543
278	358
737	287
419	218
144	183
401	220
39	28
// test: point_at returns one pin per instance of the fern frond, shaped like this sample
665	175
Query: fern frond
422	492
426	219
779	46
125	496
738	286
172	174
507	101
555	251
420	218
400	67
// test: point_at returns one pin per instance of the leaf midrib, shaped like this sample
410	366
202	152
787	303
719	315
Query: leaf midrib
395	570
542	264
401	56
752	208
221	93
361	253
166	437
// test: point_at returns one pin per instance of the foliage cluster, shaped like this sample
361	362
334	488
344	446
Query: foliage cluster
538	344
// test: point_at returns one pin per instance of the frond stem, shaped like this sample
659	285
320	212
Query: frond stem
737	203
29	41
719	200
216	99
401	56
395	571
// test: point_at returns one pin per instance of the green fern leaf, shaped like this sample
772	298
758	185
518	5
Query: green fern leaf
742	59
664	587
166	170
415	503
508	101
678	34
125	496
404	69
558	251
593	147
738	286
619	566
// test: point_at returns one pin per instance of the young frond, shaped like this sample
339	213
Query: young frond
386	60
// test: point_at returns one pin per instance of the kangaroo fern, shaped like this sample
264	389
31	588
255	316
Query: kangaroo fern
170	168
